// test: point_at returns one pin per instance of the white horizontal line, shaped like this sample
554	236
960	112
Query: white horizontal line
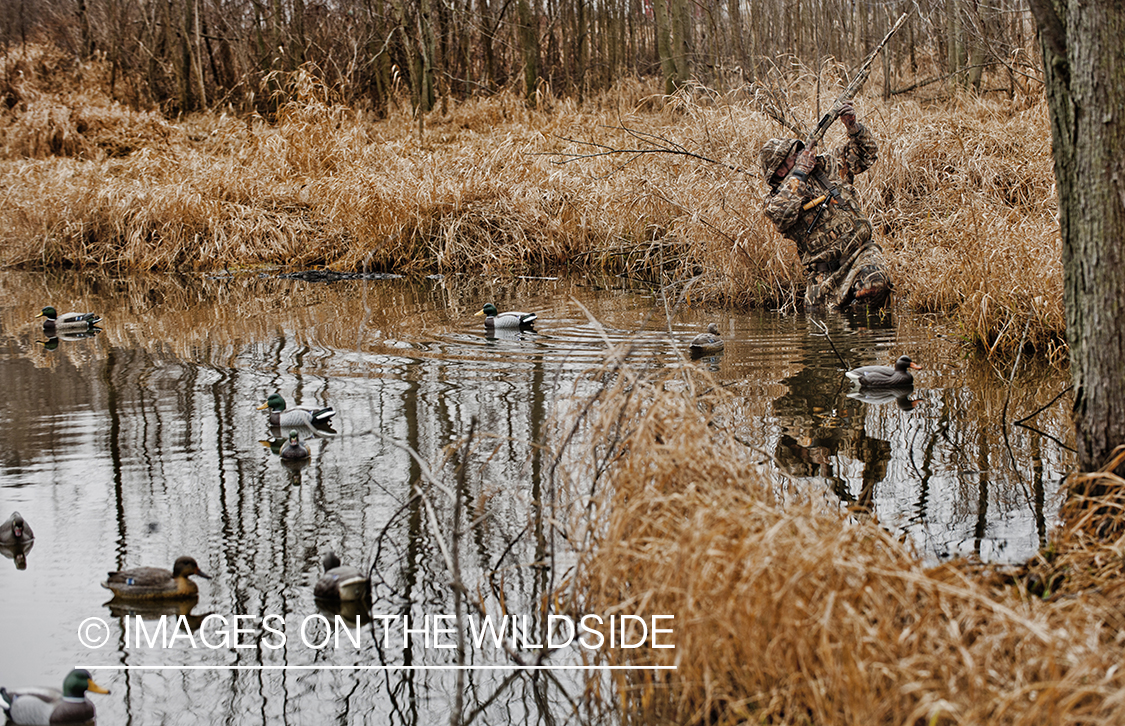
373	668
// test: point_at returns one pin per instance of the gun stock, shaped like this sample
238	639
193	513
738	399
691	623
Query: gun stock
857	82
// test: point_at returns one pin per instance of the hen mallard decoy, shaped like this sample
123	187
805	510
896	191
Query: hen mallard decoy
154	583
293	449
69	322
707	343
341	582
885	376
280	415
494	319
15	532
44	705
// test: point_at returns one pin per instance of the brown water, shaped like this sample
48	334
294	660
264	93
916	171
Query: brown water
143	443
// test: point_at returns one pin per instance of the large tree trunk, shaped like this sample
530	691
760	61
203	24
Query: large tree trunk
1084	62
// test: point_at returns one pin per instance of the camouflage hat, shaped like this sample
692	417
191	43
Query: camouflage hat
774	152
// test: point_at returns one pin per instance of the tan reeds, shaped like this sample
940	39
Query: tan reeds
788	610
962	197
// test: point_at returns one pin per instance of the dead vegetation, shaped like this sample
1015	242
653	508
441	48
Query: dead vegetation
789	611
962	197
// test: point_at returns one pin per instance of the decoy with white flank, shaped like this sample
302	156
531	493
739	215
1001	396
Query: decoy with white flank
154	583
707	343
293	449
42	705
15	532
885	376
69	322
494	319
281	415
341	582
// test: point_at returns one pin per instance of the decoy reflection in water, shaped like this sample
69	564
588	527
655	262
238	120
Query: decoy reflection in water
494	320
707	343
281	415
154	583
293	449
885	376
42	705
52	342
341	582
15	532
879	396
154	609
67	322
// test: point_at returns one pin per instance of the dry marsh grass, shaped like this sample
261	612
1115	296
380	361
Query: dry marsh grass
962	196
789	611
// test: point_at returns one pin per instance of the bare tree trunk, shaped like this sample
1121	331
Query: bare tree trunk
1084	64
529	49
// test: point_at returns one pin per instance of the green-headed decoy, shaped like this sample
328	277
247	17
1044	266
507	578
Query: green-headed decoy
42	705
69	322
494	319
280	415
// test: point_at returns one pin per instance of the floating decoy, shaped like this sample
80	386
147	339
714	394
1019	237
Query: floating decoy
494	319
41	705
293	449
707	343
885	376
341	582
69	322
15	532
154	583
280	415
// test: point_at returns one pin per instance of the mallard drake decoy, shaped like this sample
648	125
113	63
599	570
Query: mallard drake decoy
885	376
154	583
15	532
293	449
341	582
707	343
67	321
494	319
280	415
50	705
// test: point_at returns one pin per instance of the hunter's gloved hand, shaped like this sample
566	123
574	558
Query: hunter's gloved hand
847	115
806	160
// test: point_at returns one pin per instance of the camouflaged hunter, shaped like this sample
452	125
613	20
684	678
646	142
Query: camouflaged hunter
819	210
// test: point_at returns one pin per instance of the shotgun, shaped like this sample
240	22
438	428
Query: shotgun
853	88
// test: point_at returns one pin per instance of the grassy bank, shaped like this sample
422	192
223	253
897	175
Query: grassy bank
789	611
962	197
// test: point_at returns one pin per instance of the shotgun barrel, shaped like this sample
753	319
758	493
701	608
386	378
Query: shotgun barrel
853	88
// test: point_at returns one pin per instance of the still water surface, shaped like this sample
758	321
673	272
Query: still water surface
144	443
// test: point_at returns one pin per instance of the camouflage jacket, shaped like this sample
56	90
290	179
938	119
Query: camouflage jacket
842	228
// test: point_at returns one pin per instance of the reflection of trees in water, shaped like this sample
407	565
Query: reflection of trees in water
956	441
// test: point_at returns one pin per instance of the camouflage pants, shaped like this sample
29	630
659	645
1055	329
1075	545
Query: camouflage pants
840	277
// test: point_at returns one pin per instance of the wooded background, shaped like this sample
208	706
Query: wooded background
191	55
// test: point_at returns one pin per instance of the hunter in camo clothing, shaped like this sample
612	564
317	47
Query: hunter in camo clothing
812	202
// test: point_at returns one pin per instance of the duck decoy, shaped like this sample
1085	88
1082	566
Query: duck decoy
41	705
494	319
707	343
293	449
70	322
341	582
885	376
154	583
15	532
280	415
